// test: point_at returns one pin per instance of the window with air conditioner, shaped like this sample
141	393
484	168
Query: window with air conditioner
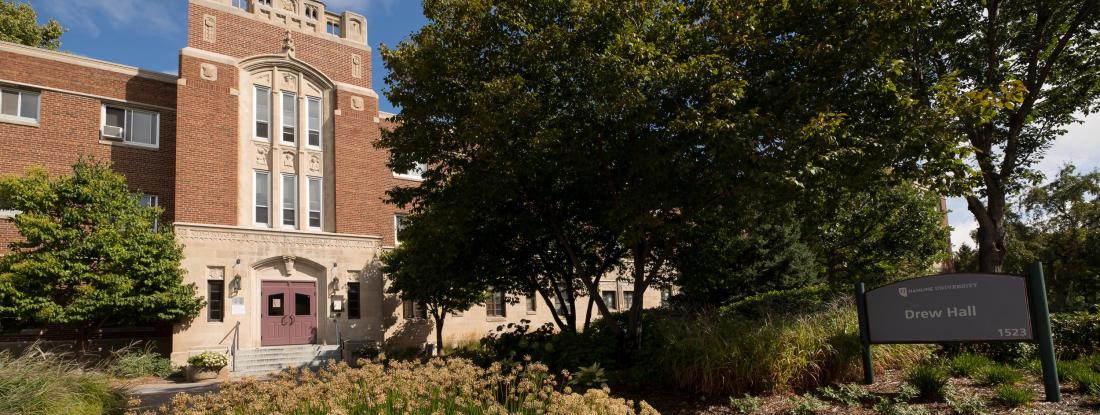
131	126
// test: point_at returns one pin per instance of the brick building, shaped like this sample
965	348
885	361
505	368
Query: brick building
261	153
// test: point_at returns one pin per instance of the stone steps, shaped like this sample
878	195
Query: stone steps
266	360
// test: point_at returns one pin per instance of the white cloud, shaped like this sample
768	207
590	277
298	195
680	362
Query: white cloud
1079	146
92	15
362	6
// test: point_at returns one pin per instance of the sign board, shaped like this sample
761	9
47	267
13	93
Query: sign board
950	308
960	308
236	306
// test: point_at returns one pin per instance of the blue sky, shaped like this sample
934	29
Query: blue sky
150	33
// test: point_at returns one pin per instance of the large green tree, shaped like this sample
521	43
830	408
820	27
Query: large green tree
19	24
89	254
1007	76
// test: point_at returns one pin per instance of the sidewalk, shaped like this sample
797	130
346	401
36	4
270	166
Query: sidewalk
154	395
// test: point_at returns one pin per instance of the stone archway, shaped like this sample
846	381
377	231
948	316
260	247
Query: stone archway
290	293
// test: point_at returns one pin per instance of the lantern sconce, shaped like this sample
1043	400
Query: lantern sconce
235	283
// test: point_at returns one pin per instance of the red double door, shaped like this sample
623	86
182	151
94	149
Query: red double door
289	314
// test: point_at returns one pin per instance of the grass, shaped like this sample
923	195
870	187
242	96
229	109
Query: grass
929	379
708	353
134	363
1013	396
967	365
50	384
999	375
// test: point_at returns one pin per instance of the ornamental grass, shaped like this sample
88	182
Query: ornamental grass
438	386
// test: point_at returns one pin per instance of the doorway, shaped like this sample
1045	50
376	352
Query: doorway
289	314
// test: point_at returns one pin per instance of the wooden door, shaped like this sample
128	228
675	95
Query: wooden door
289	314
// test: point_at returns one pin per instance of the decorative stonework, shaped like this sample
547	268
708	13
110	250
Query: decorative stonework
357	103
262	153
288	81
312	89
263	79
356	66
208	71
288	160
314	163
288	264
290	6
273	239
288	44
209	28
215	273
356	27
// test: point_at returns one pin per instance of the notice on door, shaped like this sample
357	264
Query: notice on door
950	308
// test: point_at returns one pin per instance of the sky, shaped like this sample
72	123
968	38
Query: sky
150	33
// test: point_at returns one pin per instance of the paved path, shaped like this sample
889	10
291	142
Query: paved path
154	395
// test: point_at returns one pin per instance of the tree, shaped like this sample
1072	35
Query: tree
90	254
19	24
433	273
1007	76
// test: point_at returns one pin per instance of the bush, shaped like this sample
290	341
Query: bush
999	375
813	298
49	384
1005	352
209	360
559	350
137	363
966	365
929	379
708	353
1012	396
968	405
1076	335
746	405
438	386
806	405
848	394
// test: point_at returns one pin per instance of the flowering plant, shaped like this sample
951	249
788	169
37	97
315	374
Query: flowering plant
209	360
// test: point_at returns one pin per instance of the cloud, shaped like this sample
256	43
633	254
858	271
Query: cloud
362	6
96	16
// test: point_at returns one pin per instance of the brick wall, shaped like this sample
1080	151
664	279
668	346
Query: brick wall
69	125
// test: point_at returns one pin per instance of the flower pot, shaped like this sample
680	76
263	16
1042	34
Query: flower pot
198	374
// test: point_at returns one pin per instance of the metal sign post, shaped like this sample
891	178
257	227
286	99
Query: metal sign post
963	308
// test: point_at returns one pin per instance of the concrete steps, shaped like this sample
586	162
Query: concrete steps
266	360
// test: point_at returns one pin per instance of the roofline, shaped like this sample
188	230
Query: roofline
86	62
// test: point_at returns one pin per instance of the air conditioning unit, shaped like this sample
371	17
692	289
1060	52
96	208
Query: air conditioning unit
112	132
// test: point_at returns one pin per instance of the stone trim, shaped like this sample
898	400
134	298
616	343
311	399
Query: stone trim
202	232
86	62
343	86
248	15
210	56
87	95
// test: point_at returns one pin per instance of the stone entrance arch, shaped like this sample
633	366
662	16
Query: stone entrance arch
290	293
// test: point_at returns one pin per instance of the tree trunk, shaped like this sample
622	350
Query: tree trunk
439	317
991	231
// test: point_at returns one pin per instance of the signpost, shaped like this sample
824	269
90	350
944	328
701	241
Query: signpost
965	307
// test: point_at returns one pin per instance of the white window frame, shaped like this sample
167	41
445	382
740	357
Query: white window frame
294	200
312	181
320	122
397	219
18	118
241	4
255	180
282	117
264	2
255	111
127	120
333	28
417	173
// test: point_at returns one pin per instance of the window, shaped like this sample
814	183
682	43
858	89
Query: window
241	4
628	299
131	125
532	302
417	172
332	28
398	225
290	117
264	2
494	307
666	296
413	310
19	105
609	298
353	300
262	112
150	201
215	300
275	304
311	12
290	200
262	201
313	110
302	306
314	193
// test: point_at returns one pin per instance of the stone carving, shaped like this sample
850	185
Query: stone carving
356	66
274	240
208	72
289	82
314	164
216	273
209	28
357	103
288	264
355	27
288	160
290	6
288	44
263	79
261	156
312	89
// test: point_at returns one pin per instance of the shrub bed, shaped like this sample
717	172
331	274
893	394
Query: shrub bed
452	386
49	384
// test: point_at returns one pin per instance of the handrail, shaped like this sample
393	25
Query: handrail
236	344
